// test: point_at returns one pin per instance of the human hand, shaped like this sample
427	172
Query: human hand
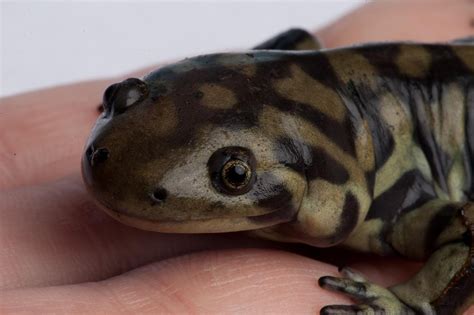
60	254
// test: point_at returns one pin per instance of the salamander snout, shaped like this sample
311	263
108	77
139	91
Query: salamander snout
93	157
117	99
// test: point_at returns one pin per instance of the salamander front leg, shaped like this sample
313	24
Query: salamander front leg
373	299
445	284
447	278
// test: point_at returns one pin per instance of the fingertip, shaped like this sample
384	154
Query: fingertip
433	21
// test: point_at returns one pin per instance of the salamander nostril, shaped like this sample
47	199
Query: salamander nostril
89	152
159	195
98	156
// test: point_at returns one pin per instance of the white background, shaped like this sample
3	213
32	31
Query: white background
50	43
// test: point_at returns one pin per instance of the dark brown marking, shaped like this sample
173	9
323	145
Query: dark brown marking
340	134
438	223
280	199
446	65
370	180
293	154
381	57
325	167
274	201
287	40
367	101
348	220
272	197
313	162
408	193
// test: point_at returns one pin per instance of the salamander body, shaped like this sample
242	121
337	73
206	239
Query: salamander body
369	147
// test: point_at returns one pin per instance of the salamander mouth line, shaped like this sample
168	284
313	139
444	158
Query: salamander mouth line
106	207
210	225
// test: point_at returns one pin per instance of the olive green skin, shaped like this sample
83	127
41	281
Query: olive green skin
369	147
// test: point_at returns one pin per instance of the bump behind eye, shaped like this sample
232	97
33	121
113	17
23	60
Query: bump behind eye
232	170
119	96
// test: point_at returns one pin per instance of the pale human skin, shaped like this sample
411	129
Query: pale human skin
59	253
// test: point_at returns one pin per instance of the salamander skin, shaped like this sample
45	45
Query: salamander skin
368	147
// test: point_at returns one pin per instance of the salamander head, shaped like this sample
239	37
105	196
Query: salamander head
191	149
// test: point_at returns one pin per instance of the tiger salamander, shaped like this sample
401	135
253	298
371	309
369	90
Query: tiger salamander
369	147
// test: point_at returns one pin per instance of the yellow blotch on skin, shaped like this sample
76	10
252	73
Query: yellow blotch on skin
413	61
165	117
354	67
456	178
320	215
217	97
452	133
364	146
398	119
278	124
303	88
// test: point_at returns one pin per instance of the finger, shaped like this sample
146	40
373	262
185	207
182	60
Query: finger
42	133
439	20
53	234
237	281
213	282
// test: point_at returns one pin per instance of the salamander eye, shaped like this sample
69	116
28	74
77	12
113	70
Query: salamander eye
236	174
232	170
